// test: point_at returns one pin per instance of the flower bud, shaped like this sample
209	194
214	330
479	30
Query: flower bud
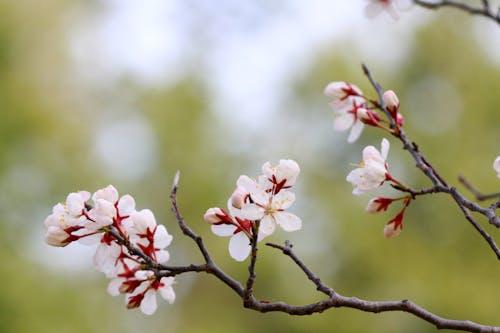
340	90
378	205
214	215
400	120
392	230
238	197
56	236
391	102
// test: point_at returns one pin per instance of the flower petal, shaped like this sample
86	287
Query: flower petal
239	246
148	303
267	226
166	291
384	151
223	230
162	238
356	131
289	222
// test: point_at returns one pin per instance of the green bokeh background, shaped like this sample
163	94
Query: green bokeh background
448	89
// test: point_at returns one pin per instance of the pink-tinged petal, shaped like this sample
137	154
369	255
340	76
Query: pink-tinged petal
108	193
223	230
334	89
114	286
162	256
289	222
239	246
55	236
384	151
166	291
267	226
238	197
148	304
356	131
342	122
143	274
162	238
126	205
283	200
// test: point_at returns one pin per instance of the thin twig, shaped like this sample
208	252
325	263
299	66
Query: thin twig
479	195
485	10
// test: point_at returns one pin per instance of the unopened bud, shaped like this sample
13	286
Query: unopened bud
392	229
391	102
400	120
378	205
214	215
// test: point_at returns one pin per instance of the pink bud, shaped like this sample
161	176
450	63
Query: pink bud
378	205
238	197
392	230
392	102
400	120
214	215
393	227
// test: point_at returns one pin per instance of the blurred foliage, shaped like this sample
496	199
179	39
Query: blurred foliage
46	150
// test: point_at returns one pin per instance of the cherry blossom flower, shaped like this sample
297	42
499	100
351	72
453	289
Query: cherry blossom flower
240	231
251	203
150	237
268	207
373	171
283	176
496	166
66	219
117	226
144	296
349	108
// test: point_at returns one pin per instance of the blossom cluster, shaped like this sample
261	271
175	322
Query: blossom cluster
256	207
352	110
125	237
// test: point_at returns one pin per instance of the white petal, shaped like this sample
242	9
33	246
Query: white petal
108	193
223	230
288	221
105	258
250	212
257	192
239	246
384	151
114	286
267	226
167	292
148	303
126	205
356	131
162	256
283	200
343	121
143	220
162	238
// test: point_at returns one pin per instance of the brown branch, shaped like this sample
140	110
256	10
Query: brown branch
484	10
440	184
